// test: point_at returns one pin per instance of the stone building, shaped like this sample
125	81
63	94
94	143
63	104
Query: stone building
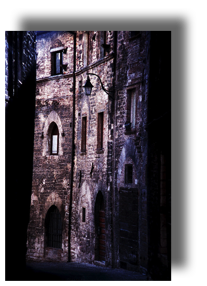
130	150
93	181
52	147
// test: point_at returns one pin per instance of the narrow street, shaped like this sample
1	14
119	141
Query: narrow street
63	271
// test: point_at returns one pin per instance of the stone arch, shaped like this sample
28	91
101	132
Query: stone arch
53	228
56	43
128	151
52	117
53	199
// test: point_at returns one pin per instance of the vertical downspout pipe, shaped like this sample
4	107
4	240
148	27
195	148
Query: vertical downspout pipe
114	258
72	151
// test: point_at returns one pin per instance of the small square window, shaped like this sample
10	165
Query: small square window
128	174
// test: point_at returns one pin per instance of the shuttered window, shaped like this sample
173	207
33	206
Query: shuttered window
83	137
100	131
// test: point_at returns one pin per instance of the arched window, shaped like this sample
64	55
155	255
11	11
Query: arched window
54	139
53	228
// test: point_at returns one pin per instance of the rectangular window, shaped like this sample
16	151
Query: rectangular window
83	214
128	173
102	44
131	108
83	137
100	131
85	49
56	63
54	144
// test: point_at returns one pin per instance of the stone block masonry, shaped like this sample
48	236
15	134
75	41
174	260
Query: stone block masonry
51	172
109	211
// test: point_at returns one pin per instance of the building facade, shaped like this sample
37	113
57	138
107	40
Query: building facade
92	191
52	148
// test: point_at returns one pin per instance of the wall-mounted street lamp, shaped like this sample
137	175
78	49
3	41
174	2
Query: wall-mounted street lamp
88	85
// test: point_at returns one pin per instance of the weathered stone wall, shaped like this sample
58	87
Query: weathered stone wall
90	171
95	171
131	146
51	173
51	40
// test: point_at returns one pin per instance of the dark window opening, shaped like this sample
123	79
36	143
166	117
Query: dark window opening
128	173
56	63
53	226
83	215
100	131
83	137
102	44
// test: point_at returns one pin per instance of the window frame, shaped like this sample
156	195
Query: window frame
100	129
53	62
102	42
83	214
54	132
85	48
83	133
131	109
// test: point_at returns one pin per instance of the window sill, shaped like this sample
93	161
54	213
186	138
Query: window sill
100	151
83	153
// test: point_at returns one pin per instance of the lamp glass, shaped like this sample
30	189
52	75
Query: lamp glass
88	90
88	86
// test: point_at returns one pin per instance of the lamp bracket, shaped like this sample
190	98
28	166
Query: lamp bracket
107	91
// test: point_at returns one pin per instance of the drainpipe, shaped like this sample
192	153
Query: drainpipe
73	147
114	241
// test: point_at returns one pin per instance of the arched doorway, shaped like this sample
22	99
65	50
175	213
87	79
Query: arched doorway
99	228
53	228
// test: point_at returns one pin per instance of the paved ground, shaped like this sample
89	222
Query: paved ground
52	271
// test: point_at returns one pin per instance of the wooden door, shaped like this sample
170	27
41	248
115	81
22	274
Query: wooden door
101	235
